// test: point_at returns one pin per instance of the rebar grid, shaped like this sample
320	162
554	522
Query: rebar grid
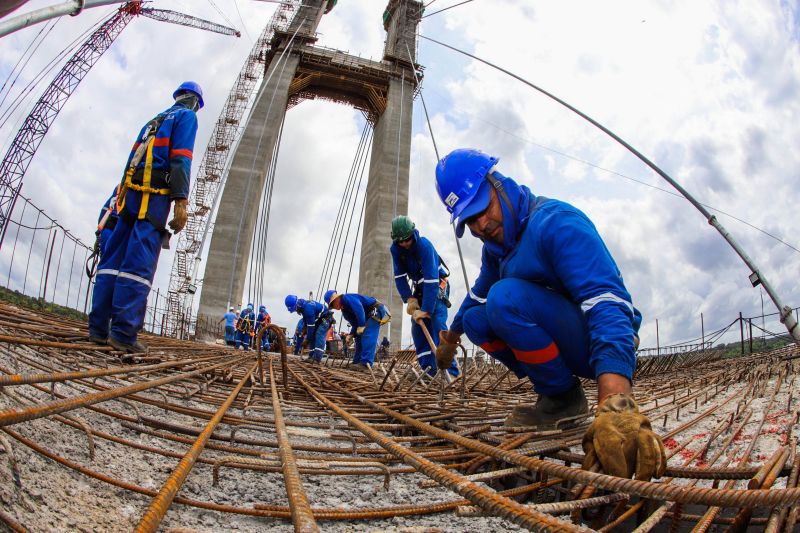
224	431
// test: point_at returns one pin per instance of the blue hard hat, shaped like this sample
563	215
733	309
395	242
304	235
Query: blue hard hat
461	185
262	308
291	303
249	306
190	87
330	294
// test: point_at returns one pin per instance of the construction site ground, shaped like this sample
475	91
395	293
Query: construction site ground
199	437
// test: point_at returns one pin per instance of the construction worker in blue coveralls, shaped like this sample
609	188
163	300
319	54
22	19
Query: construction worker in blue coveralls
299	335
366	315
263	319
156	174
550	304
230	326
414	258
245	327
107	221
316	320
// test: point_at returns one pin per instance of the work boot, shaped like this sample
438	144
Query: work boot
136	347
550	409
102	341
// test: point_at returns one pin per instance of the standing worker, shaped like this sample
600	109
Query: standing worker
550	304
414	258
366	315
230	326
316	321
263	319
244	328
156	174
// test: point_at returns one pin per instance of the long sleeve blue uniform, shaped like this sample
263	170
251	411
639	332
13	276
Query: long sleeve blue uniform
230	327
363	312
316	325
126	269
299	335
550	302
244	328
107	220
421	265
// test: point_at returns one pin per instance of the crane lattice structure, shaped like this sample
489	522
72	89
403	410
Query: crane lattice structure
44	112
208	182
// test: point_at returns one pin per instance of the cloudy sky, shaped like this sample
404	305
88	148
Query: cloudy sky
707	90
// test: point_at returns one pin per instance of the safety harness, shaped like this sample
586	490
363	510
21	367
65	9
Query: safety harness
372	312
149	181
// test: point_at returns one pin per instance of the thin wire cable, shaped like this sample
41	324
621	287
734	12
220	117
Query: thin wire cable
29	51
446	8
264	84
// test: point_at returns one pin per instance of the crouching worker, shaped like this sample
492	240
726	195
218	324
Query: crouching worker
366	315
550	304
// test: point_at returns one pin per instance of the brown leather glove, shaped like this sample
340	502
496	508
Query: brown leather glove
420	314
360	330
446	351
622	441
179	216
412	305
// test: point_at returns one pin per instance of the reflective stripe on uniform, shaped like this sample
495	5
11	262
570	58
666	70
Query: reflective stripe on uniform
400	276
430	280
587	305
108	272
422	354
476	298
134	277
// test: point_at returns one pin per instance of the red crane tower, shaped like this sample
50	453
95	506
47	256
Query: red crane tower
30	135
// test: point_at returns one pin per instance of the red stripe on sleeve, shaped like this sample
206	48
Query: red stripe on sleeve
161	141
537	357
494	346
181	151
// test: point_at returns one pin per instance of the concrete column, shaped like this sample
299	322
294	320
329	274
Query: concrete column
387	196
226	265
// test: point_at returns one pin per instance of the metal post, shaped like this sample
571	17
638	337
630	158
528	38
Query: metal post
741	330
702	332
49	259
750	323
658	340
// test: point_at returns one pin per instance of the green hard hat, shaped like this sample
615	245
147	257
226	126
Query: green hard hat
402	228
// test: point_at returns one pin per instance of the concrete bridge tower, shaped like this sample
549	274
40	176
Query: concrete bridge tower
297	70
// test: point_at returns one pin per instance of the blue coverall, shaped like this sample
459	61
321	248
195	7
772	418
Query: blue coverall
367	312
263	318
421	264
127	267
109	212
230	328
299	336
549	302
314	321
244	328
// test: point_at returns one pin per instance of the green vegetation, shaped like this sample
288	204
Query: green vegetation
35	304
734	349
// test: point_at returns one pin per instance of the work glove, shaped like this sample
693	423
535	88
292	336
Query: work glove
622	441
412	305
419	314
446	351
360	330
179	216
